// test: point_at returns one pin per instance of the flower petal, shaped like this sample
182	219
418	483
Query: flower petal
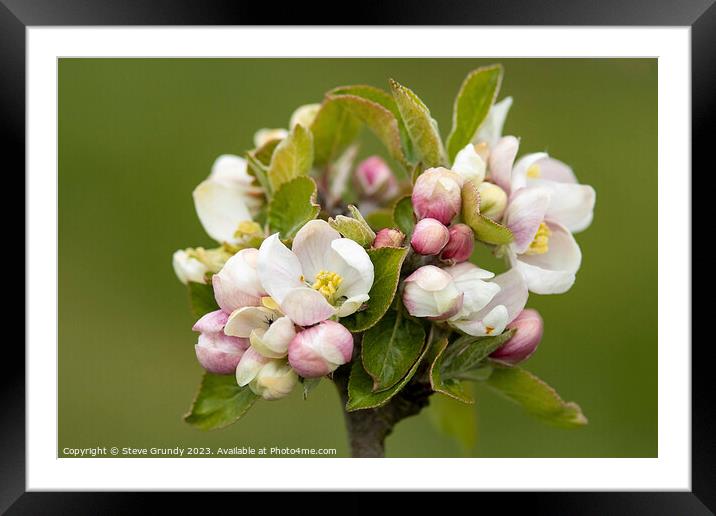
213	322
493	323
312	246
349	260
554	271
502	157
273	342
469	164
571	205
352	304
188	268
243	321
554	170
519	172
251	363
220	209
512	295
491	129
306	306
237	284
278	268
524	214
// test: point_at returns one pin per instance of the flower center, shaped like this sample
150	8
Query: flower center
534	171
327	284
247	228
540	244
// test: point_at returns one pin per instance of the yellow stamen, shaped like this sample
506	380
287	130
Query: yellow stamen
269	303
327	284
534	171
247	228
540	244
489	330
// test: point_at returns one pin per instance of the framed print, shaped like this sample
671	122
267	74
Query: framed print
337	258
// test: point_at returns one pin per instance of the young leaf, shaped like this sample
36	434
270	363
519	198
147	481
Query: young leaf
535	396
219	402
355	228
292	206
265	152
260	172
421	128
403	216
472	104
334	128
201	299
486	229
387	262
380	219
383	98
390	348
467	353
450	387
292	157
457	420
360	387
378	119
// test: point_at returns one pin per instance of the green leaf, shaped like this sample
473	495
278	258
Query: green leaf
390	348
219	402
422	129
535	396
468	353
457	420
450	387
379	120
472	104
380	219
201	299
403	216
291	158
260	172
387	262
334	128
265	152
485	229
355	228
383	98
292	206
360	387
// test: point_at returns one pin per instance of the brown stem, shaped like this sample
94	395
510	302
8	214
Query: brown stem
368	428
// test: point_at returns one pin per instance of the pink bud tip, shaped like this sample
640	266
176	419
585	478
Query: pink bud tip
436	195
320	349
529	328
375	179
429	237
461	243
388	237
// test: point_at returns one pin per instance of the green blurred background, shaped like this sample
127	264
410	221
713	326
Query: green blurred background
136	136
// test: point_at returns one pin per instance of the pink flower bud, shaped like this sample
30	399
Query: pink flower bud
461	243
436	194
429	237
388	237
218	353
375	179
529	327
431	292
319	350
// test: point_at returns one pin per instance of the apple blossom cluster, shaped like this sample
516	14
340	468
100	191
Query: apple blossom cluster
321	263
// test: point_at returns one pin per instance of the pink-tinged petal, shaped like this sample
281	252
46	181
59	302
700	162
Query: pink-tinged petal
528	328
429	237
249	366
437	195
306	306
213	322
501	159
554	271
319	350
460	245
219	353
493	323
375	179
525	212
554	170
430	292
388	237
571	205
237	283
519	172
470	279
513	295
278	268
312	246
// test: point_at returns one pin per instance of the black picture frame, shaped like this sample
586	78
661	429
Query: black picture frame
700	15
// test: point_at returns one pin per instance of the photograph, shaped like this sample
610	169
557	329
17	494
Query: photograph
358	257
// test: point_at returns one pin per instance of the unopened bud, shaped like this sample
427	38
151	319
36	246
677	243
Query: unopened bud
429	237
304	115
529	328
388	237
218	353
493	200
436	194
319	350
263	136
461	243
375	179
